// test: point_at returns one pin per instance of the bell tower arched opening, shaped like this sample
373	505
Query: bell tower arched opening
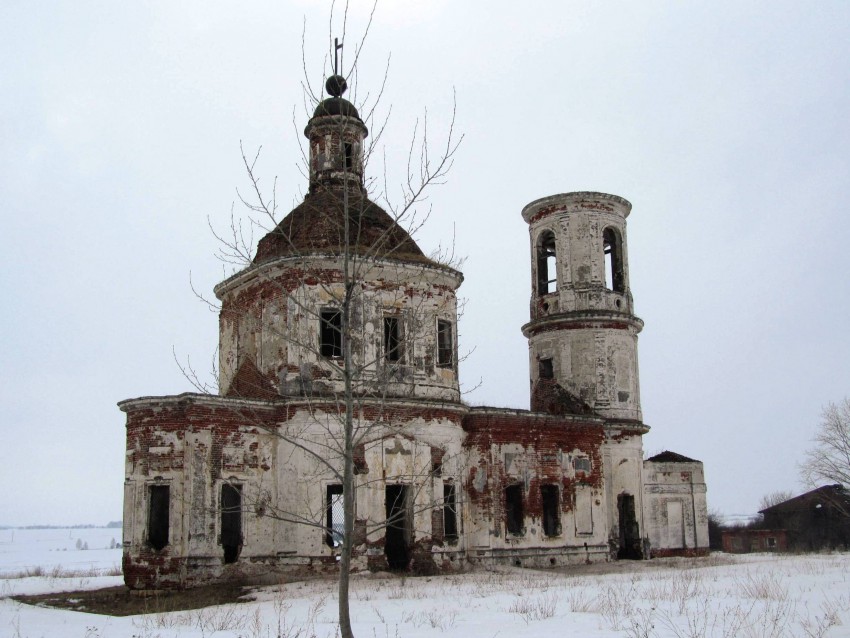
612	249
547	276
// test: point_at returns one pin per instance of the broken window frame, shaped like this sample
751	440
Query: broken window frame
159	513
348	155
450	519
514	512
612	251
230	540
547	263
445	344
330	333
550	502
334	534
582	465
393	339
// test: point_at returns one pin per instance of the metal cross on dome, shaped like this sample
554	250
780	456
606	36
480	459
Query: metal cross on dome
337	47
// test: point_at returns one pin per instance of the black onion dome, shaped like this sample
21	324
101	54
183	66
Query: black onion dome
336	106
317	226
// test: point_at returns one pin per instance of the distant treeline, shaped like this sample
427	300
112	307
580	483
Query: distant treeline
110	524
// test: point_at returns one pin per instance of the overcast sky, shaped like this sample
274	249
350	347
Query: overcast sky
726	124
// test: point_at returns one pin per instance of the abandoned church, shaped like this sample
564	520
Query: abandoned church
338	347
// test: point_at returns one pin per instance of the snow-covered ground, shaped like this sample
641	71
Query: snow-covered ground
755	596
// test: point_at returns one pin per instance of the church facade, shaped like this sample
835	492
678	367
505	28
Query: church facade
338	344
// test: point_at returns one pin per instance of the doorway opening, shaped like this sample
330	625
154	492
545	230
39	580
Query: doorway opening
231	521
397	533
630	544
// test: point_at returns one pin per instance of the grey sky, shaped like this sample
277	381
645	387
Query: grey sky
724	123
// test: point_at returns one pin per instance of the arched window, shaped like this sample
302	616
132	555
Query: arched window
612	248
547	279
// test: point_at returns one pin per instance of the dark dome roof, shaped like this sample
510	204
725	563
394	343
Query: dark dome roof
335	106
671	457
317	226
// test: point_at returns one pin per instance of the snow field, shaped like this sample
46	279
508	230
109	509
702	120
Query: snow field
754	596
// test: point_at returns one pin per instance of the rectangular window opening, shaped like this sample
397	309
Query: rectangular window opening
231	521
330	333
545	369
392	339
349	155
335	524
445	344
158	508
514	516
551	510
449	513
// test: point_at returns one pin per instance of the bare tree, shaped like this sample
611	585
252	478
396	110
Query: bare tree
775	498
328	273
828	461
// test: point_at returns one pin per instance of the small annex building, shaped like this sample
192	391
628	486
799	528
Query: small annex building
245	483
747	541
674	504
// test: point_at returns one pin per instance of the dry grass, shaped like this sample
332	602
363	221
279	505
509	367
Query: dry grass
57	571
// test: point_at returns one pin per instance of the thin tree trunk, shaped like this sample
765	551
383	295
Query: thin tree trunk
348	442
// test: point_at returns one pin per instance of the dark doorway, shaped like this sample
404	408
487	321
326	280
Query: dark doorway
514	515
397	536
158	506
449	513
549	496
630	545
231	521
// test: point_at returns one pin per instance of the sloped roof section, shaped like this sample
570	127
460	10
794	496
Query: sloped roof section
834	494
671	457
317	225
249	383
550	397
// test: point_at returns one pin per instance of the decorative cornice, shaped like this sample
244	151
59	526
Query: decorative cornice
257	270
580	319
483	411
559	203
218	401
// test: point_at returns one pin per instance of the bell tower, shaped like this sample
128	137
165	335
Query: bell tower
582	335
